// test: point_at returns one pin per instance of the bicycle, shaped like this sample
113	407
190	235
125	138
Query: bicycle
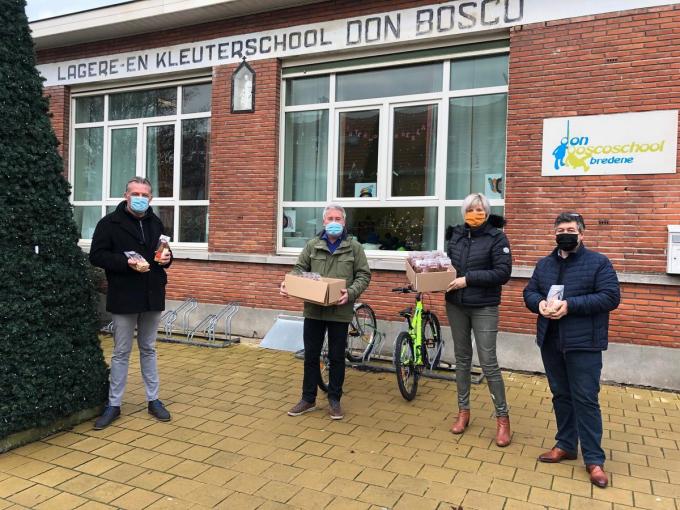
418	348
360	338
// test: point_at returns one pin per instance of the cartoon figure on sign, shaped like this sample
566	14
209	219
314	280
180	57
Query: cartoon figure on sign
496	184
573	161
560	152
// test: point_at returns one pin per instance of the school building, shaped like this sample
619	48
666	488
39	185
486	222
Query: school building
248	117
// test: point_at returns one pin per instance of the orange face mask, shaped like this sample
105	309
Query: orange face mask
475	218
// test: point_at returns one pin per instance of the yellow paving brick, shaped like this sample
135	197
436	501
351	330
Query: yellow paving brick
55	476
209	496
240	501
30	469
508	489
33	496
97	466
80	484
513	504
409	502
187	468
107	492
437	474
614	495
376	477
549	498
12	485
379	496
73	459
246	483
310	499
345	488
652	502
136	499
581	503
149	479
62	501
112	450
278	491
482	501
571	486
410	485
340	503
314	480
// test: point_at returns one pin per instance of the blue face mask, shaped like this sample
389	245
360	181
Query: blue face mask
139	204
334	229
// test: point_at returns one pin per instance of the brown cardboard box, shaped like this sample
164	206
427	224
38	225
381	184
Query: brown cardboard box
429	282
324	292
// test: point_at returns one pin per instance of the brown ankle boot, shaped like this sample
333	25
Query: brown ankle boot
461	422
503	431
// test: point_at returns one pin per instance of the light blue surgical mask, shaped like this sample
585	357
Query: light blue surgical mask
334	229
139	204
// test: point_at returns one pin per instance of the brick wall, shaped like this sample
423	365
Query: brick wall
244	164
556	69
60	108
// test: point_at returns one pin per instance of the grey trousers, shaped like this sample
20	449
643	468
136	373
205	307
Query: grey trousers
484	322
123	333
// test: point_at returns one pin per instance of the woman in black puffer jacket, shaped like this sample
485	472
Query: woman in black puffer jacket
480	252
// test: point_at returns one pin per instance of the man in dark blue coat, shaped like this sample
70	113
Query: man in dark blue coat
573	290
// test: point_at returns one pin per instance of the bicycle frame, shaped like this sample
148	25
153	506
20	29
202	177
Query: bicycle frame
415	329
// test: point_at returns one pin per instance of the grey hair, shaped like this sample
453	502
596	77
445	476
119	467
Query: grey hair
334	207
473	199
138	180
569	217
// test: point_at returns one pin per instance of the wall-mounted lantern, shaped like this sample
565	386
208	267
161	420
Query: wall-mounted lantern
243	89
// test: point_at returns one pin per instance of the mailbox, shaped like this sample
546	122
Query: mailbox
673	249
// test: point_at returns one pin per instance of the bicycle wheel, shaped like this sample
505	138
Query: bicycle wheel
432	338
361	333
404	362
324	366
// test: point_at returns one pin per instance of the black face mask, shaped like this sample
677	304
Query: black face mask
566	242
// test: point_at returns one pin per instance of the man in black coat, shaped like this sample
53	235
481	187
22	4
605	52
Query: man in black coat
573	290
136	292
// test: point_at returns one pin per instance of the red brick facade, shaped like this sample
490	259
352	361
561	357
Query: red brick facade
613	63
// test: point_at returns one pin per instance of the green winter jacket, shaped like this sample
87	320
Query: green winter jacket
348	262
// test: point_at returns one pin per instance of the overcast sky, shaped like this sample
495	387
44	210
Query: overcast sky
40	9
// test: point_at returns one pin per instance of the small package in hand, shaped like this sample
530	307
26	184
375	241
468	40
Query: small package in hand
140	262
162	248
555	294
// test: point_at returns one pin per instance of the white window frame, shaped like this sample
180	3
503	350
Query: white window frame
386	106
141	124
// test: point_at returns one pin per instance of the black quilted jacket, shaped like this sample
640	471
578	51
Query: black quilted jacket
483	256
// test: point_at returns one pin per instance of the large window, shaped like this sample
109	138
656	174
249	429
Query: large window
161	133
398	145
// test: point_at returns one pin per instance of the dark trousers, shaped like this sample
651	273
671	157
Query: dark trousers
313	333
574	379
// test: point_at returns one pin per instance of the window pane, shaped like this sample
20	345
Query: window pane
414	151
300	225
195	159
307	90
396	81
90	109
476	145
196	98
193	224
306	156
86	218
406	228
160	158
167	216
454	216
87	164
358	152
470	73
143	103
123	159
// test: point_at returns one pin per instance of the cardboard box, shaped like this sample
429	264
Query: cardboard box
324	292
429	282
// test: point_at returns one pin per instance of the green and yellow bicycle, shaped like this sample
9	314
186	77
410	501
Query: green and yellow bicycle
419	348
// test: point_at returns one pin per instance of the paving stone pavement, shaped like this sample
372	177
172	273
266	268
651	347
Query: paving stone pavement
231	445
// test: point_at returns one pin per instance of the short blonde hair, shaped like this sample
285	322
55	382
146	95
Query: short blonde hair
473	199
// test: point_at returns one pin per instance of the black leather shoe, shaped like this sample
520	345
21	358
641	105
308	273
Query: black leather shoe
110	414
158	410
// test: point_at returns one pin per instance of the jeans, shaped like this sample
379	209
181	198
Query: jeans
574	379
313	333
123	333
484	322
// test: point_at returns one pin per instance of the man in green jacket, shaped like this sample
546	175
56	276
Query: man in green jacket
332	254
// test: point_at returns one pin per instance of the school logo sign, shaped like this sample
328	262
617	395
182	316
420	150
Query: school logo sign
626	143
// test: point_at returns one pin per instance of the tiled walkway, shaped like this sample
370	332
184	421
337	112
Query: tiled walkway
230	445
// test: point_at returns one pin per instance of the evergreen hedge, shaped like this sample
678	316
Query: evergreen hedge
51	362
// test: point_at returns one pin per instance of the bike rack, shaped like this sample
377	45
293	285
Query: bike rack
168	318
209	324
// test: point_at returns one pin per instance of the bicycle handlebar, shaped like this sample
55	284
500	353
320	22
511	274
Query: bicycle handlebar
403	290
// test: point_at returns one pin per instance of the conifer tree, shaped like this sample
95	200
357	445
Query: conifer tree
51	362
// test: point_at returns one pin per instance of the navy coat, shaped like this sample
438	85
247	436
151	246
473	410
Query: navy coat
591	289
483	257
129	291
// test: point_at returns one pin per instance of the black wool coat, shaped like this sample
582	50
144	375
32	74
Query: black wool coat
483	257
129	291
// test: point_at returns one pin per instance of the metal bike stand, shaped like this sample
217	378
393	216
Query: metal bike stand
208	326
168	318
